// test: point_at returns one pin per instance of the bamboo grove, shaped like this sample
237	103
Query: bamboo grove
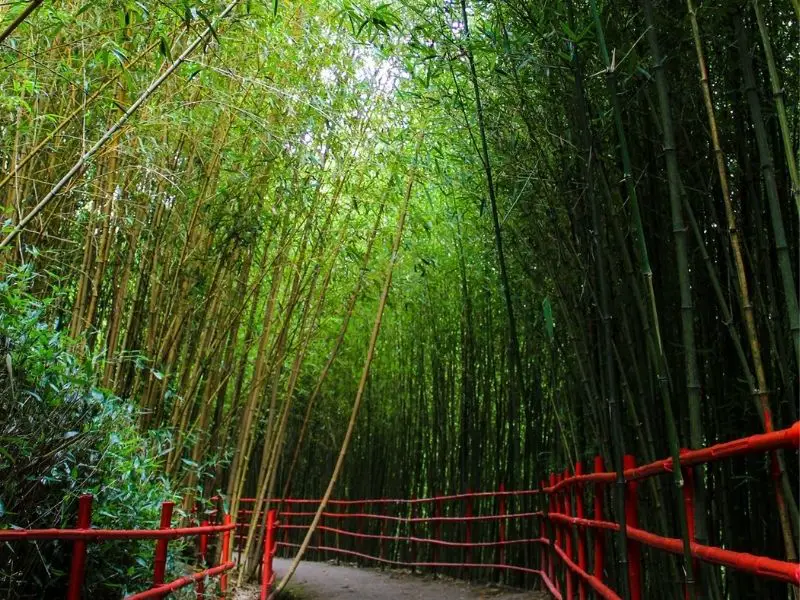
599	244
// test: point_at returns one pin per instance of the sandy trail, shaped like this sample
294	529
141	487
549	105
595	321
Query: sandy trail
319	580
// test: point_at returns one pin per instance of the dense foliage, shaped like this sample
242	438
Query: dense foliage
62	437
600	251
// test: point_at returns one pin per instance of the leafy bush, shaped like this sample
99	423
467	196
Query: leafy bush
60	437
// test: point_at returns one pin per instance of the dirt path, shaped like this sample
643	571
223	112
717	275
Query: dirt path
318	581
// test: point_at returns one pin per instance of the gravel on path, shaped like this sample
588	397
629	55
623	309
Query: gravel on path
320	580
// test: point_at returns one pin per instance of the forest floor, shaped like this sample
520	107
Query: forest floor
318	580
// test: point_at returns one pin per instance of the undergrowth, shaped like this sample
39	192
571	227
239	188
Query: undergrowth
60	437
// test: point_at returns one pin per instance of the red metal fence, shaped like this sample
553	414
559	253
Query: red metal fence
543	533
83	534
561	545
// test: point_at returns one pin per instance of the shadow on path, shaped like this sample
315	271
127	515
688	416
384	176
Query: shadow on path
318	581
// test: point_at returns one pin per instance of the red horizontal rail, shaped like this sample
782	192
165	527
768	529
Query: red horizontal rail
400	538
434	564
596	584
775	569
83	533
431	564
413	519
560	512
785	439
463	496
110	534
161	590
741	561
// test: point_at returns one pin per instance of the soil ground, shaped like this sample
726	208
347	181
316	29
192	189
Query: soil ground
319	580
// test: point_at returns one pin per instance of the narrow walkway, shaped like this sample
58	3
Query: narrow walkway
318	581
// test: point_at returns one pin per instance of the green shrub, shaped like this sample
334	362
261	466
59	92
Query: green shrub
60	437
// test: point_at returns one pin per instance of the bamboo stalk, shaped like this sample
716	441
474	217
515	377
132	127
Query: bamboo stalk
80	110
348	313
780	107
687	310
517	388
361	385
760	388
273	443
627	174
86	156
26	12
784	262
773	200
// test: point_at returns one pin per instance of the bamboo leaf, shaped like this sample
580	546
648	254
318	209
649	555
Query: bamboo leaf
209	24
119	55
163	48
549	324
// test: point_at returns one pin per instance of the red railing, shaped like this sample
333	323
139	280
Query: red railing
83	534
359	526
485	527
270	548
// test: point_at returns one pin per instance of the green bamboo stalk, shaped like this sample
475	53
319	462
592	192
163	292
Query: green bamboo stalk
32	6
647	450
627	173
362	382
759	387
652	331
727	317
79	165
687	309
650	344
780	107
639	301
781	248
604	312
516	375
773	200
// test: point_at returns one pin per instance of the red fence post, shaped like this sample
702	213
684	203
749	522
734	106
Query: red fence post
580	533
468	515
285	519
201	585
361	520
569	576
437	528
383	542
545	554
77	569
340	522
269	548
562	569
599	545
554	531
502	529
160	560
412	530
241	530
632	520
323	554
225	557
688	502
